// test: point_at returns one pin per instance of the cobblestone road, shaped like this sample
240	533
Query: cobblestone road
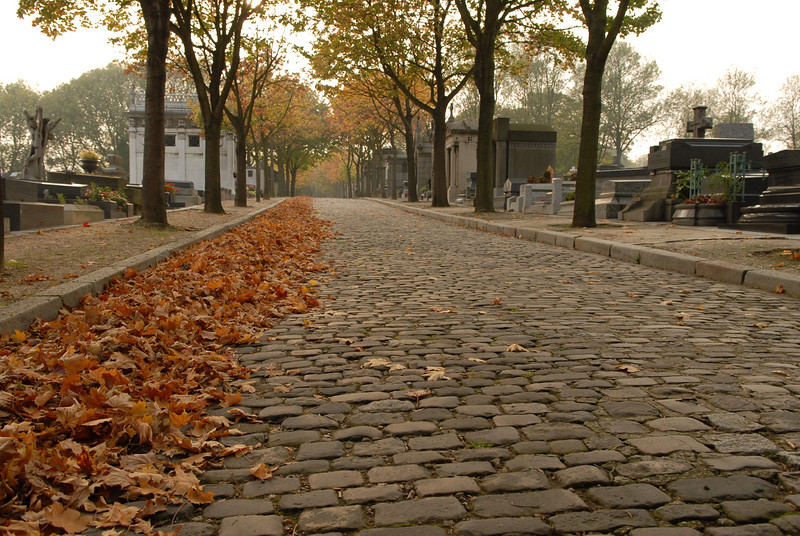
463	383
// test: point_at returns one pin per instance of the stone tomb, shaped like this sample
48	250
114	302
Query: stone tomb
673	156
186	197
778	208
619	194
22	208
520	150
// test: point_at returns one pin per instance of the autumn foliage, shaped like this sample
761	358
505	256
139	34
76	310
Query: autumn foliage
107	404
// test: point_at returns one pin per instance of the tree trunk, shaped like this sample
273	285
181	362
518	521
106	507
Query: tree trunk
280	167
2	231
586	180
257	160
411	159
393	183
240	199
484	81
439	185
266	149
601	39
213	192
156	15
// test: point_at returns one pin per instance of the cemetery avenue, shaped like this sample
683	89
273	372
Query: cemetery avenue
464	383
424	378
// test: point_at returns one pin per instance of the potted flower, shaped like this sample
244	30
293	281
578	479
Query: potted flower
90	160
702	209
170	191
106	198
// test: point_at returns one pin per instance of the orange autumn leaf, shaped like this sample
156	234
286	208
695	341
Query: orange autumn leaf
214	285
180	420
196	495
230	399
261	471
108	387
66	518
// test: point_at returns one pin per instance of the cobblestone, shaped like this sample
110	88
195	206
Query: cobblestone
559	439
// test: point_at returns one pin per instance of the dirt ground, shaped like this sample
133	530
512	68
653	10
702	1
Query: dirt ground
37	260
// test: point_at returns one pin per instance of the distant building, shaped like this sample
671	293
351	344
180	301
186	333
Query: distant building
184	151
520	151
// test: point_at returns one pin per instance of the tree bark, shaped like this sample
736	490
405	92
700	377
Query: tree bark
601	38
439	185
213	201
584	213
257	160
156	14
484	81
411	159
240	199
2	232
393	183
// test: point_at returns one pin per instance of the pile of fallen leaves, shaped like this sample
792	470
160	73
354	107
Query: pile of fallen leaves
103	417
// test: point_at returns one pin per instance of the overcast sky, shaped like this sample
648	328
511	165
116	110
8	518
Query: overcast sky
695	42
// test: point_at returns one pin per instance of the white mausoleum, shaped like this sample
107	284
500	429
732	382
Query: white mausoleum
184	151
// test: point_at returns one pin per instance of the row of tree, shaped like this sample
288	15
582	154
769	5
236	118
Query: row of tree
385	68
425	52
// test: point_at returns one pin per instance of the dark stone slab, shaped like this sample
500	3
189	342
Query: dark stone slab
525	504
753	511
677	153
737	487
25	216
432	509
501	526
630	496
601	520
20	190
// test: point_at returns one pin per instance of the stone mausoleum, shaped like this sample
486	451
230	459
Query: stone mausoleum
185	147
520	151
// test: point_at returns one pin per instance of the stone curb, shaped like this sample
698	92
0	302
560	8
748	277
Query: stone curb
646	256
47	304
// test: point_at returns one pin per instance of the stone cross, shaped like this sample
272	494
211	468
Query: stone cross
41	133
699	123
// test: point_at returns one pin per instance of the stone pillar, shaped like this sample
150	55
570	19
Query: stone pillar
555	205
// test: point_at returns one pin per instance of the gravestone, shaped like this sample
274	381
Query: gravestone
742	131
186	196
114	167
699	123
778	209
623	192
673	156
22	209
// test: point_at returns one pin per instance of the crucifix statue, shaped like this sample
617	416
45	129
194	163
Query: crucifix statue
41	133
699	123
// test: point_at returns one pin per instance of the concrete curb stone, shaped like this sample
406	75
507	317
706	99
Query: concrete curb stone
769	281
594	245
719	271
668	260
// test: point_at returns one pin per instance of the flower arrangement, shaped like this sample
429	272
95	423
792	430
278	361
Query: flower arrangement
251	190
104	193
705	199
170	188
88	154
